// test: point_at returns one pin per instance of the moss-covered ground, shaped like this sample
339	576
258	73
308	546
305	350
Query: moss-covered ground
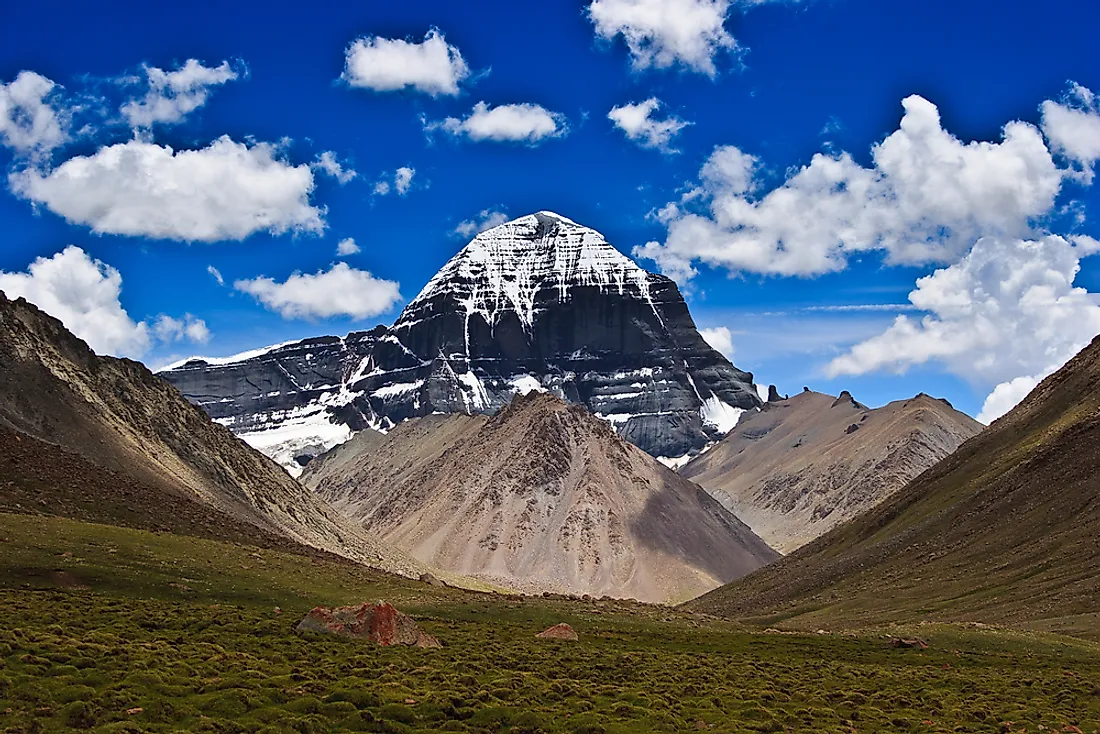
112	629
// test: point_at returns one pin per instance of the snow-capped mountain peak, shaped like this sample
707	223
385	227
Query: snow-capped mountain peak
504	268
538	303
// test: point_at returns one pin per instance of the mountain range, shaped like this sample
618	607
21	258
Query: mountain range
805	464
539	303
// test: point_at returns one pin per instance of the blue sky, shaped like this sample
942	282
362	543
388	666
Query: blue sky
818	76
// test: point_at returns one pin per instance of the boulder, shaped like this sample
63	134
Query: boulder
914	643
378	622
431	580
558	632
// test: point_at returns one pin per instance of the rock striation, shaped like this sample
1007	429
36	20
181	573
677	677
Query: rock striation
540	497
539	304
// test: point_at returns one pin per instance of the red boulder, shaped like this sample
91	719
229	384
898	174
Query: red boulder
378	622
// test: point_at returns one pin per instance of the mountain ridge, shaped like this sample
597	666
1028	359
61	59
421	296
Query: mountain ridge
809	462
1001	531
116	414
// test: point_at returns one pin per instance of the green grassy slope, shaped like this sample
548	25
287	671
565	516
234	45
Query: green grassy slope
1004	530
117	629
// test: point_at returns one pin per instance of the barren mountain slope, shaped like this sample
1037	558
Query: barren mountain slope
1003	530
118	415
542	496
804	465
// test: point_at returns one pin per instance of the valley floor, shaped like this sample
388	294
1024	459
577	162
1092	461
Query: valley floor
116	629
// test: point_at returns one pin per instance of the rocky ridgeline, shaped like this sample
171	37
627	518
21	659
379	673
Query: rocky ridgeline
536	304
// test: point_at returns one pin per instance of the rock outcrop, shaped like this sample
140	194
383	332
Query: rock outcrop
379	622
540	303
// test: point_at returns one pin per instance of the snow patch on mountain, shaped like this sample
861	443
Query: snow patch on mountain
231	359
524	384
721	416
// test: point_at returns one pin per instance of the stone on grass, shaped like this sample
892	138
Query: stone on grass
558	632
378	622
431	580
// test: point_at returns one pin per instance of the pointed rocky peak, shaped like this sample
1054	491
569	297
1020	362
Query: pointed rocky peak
543	413
505	267
845	398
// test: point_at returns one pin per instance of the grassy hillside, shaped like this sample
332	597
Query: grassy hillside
1004	530
117	629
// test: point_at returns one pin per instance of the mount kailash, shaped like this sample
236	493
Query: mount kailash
538	303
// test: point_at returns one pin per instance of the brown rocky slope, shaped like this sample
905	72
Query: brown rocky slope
123	421
542	496
806	464
1004	530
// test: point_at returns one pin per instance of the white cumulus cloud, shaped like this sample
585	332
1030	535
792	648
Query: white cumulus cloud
1006	396
485	219
225	191
29	124
339	291
720	338
1008	309
83	293
665	33
1073	128
507	123
327	163
638	123
400	182
432	66
347	246
215	274
186	328
172	95
927	198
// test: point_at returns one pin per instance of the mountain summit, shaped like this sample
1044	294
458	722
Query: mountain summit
539	303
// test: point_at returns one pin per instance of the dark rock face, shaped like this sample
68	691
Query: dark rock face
539	303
